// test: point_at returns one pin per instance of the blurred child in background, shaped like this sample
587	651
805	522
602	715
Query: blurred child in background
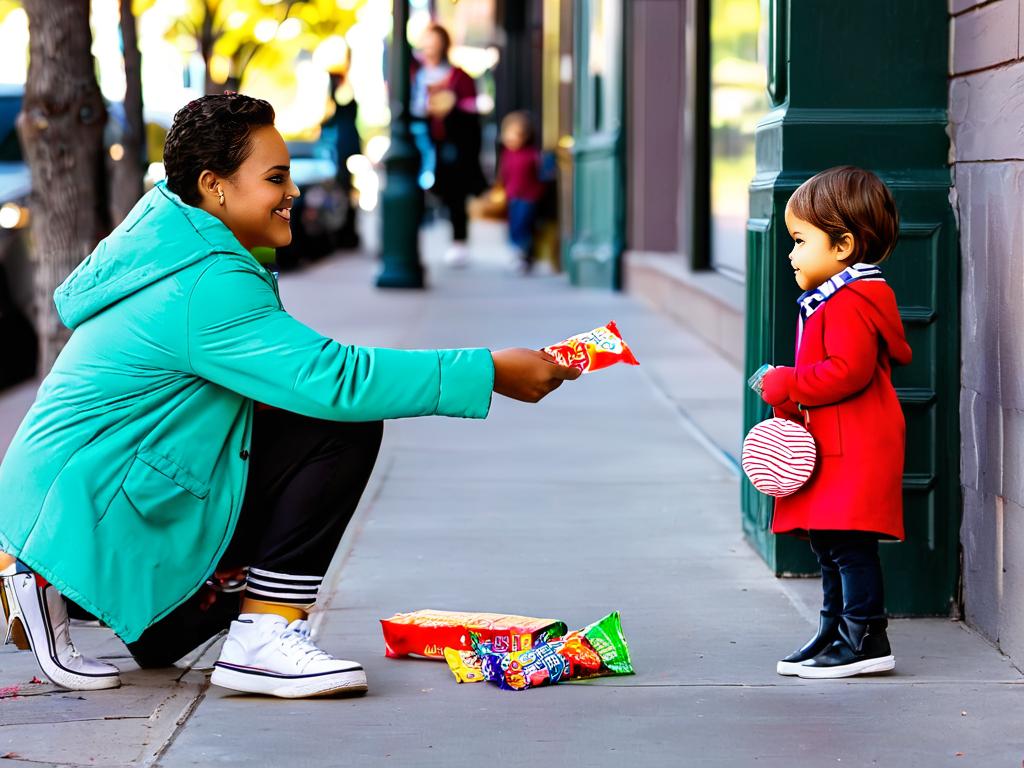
520	174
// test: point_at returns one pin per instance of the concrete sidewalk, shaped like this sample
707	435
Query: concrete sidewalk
617	492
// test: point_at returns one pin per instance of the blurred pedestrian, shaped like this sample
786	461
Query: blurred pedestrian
348	143
445	97
520	173
143	469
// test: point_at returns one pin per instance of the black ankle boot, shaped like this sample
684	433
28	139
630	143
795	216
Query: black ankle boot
828	630
862	649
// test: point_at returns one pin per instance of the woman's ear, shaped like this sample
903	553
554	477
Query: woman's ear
209	187
844	247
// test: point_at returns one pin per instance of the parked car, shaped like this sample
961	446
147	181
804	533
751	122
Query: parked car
18	344
18	339
318	215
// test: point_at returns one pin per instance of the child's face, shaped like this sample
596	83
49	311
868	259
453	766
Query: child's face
813	257
513	136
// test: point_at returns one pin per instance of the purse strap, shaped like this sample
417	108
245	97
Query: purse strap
807	416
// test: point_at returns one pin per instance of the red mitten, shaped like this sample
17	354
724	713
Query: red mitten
775	385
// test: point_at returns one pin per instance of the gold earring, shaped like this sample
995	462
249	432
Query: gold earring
221	193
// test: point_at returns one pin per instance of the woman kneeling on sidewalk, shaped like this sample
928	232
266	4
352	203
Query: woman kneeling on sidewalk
144	474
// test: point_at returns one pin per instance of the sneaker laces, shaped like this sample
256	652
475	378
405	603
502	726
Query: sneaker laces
295	640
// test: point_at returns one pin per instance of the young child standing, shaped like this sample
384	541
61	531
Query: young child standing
520	174
844	224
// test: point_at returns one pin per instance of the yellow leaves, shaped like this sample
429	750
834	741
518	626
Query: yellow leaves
141	6
6	6
220	68
240	25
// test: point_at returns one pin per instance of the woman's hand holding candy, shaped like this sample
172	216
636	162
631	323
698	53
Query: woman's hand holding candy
527	374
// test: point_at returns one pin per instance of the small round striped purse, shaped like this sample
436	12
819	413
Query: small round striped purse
779	456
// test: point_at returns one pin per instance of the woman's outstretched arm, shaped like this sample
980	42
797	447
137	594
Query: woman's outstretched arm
240	337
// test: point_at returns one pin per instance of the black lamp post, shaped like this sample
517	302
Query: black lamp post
401	198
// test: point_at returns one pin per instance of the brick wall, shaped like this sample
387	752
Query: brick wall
987	128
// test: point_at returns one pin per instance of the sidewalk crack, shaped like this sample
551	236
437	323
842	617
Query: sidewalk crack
153	761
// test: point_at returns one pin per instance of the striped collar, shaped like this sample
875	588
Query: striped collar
810	301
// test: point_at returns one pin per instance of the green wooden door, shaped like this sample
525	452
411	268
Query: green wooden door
865	83
592	256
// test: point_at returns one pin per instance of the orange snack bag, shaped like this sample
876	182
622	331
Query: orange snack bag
593	350
428	633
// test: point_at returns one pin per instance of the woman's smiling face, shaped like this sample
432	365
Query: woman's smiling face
258	196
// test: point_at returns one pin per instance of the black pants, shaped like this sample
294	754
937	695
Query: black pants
455	201
454	195
851	574
305	480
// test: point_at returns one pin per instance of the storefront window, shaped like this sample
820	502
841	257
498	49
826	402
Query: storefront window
738	101
603	52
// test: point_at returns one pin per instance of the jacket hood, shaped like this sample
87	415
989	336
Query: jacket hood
880	302
160	236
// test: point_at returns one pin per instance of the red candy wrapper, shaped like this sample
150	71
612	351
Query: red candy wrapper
594	350
428	633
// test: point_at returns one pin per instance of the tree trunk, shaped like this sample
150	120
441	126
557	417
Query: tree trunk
206	41
61	129
126	176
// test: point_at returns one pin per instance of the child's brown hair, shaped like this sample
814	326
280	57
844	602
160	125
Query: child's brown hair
849	199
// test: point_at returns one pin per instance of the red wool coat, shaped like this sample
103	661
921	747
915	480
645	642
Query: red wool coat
843	380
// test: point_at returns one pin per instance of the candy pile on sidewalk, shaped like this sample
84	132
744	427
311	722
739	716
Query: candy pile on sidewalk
512	652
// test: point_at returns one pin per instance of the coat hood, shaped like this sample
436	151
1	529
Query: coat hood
880	301
160	236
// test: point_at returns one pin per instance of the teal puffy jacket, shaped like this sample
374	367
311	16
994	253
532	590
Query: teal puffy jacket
123	485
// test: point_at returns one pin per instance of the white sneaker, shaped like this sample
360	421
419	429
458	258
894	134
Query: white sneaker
263	653
457	256
41	613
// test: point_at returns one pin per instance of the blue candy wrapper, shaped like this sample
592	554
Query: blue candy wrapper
756	382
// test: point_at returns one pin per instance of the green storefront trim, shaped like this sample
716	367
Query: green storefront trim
593	257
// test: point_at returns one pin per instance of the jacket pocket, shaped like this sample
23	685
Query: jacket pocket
158	487
825	426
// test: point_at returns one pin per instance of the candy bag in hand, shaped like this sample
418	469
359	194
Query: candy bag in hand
593	350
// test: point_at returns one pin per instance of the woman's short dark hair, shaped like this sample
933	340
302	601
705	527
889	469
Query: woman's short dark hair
849	199
211	133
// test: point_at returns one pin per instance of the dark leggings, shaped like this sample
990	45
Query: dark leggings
455	202
306	477
851	574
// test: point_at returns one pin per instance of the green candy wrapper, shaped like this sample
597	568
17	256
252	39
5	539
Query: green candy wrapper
609	642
